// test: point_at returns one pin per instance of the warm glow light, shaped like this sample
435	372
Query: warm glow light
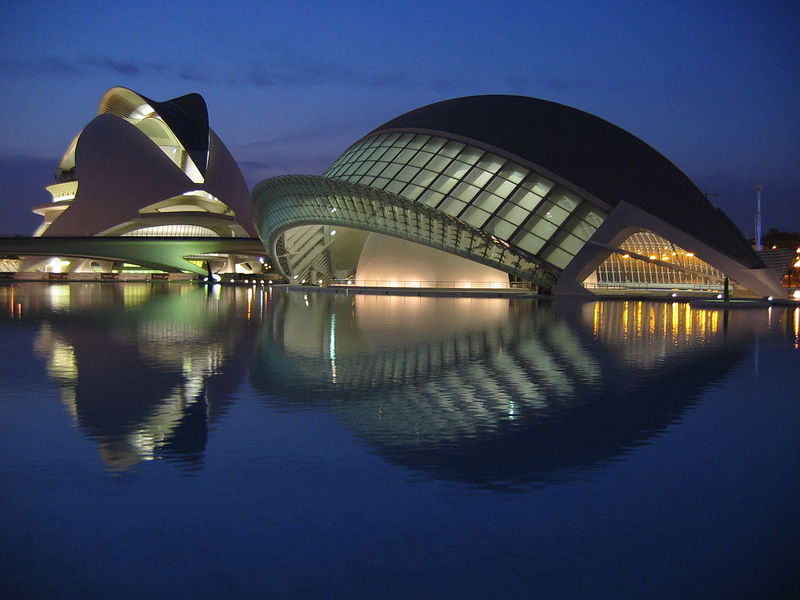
653	257
690	254
796	295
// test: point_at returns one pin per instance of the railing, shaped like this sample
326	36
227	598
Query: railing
438	284
700	287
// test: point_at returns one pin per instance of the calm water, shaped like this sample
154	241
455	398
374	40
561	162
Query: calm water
166	441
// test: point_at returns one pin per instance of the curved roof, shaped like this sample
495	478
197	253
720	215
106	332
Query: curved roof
587	151
186	116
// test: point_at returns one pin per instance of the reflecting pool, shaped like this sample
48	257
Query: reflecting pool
168	440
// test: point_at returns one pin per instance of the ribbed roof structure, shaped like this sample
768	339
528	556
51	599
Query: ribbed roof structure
587	151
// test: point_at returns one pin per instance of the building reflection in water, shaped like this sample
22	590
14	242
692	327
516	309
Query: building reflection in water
142	369
495	392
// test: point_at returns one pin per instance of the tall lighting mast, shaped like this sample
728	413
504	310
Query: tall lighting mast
759	247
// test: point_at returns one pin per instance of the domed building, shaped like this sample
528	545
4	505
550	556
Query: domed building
488	191
146	168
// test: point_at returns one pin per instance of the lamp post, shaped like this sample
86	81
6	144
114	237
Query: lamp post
759	247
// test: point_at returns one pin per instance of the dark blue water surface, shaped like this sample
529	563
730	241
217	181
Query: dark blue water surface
169	441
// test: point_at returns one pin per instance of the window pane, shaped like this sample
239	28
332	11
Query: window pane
491	163
501	187
529	242
569	242
376	168
405	156
391	154
380	182
565	200
554	214
544	229
538	185
470	155
434	144
557	257
487	201
475	216
513	174
451	148
438	163
513	213
464	192
425	178
421	158
391	170
431	198
478	177
395	186
594	218
407	173
418	141
404	139
411	191
500	228
451	206
457	169
444	184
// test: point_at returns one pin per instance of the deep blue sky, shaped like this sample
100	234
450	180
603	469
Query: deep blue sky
714	87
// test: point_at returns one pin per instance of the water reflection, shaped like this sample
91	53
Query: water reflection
495	392
142	369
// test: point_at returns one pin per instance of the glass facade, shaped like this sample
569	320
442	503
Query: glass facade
478	187
629	271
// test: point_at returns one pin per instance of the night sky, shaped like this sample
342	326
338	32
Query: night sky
714	87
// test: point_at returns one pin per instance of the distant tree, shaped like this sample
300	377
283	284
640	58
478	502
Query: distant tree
781	239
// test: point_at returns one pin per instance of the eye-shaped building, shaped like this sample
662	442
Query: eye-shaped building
146	168
483	190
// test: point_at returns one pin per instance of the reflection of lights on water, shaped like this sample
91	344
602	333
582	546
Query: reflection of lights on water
332	348
797	327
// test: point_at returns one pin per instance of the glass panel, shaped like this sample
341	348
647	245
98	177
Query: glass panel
418	141
434	144
513	213
464	192
376	168
487	201
529	242
525	199
513	174
475	216
491	163
362	168
452	206
457	169
565	200
451	148
425	178
438	163
380	182
569	242
405	156
554	214
404	139
594	218
421	158
407	173
392	169
580	228
501	187
391	154
431	198
470	155
390	139
395	186
444	184
374	154
542	228
538	184
412	191
557	257
500	228
478	177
